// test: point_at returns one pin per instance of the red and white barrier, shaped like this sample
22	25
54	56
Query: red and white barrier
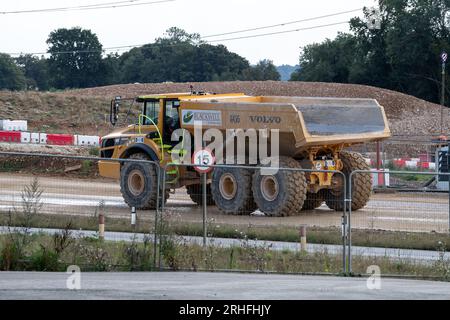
10	136
16	131
381	179
60	139
51	139
410	163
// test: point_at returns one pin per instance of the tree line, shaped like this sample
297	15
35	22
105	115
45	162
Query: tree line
398	48
76	60
401	52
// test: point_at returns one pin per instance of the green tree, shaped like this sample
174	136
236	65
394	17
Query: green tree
35	70
180	57
403	54
75	58
264	70
11	76
328	61
110	69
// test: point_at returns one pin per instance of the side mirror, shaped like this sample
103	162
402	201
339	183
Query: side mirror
114	110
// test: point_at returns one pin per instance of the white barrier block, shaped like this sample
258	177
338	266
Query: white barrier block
15	125
81	140
38	138
25	137
411	164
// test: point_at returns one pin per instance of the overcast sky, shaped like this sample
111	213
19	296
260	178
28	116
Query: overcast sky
142	24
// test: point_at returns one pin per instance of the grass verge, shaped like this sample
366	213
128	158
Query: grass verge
42	252
316	235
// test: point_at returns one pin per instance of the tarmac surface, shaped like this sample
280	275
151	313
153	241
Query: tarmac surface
199	286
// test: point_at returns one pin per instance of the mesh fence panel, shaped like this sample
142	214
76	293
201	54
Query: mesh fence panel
404	231
248	224
62	209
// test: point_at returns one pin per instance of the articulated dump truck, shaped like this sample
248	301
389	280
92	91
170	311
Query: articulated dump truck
314	134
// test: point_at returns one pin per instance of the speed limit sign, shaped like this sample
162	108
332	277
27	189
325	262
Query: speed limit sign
202	158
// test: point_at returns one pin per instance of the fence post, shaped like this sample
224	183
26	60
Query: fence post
155	236
344	226
205	205
448	177
303	243
133	218
349	222
163	192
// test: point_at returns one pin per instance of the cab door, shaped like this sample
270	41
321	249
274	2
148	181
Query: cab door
171	120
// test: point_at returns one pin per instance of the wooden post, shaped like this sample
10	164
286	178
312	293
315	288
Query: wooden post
303	244
101	226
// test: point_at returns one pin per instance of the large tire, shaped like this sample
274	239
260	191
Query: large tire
282	194
195	192
232	192
361	183
313	200
139	183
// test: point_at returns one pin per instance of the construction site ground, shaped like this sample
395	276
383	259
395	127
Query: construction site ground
74	196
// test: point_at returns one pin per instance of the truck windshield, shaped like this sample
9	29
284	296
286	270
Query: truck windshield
151	110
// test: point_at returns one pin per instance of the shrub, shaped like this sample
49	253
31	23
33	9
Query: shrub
10	256
44	260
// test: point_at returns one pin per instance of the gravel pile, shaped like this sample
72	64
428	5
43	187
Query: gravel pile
407	115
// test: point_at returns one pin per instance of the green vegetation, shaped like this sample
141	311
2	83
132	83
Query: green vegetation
11	76
402	55
83	67
316	235
176	57
56	252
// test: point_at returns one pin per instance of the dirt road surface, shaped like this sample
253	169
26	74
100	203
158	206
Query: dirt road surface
416	212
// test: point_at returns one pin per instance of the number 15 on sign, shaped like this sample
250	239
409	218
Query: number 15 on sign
203	159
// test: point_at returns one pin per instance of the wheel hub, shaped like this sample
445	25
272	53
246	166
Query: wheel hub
136	182
228	186
269	188
337	185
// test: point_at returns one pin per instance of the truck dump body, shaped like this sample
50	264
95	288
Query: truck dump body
336	118
303	122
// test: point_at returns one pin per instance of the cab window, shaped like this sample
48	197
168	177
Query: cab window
151	110
171	119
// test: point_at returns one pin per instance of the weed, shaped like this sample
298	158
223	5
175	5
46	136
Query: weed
44	259
10	255
94	151
138	256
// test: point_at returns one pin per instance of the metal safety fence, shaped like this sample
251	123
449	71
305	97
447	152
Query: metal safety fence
404	229
249	218
57	210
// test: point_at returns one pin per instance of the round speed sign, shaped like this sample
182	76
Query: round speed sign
202	158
